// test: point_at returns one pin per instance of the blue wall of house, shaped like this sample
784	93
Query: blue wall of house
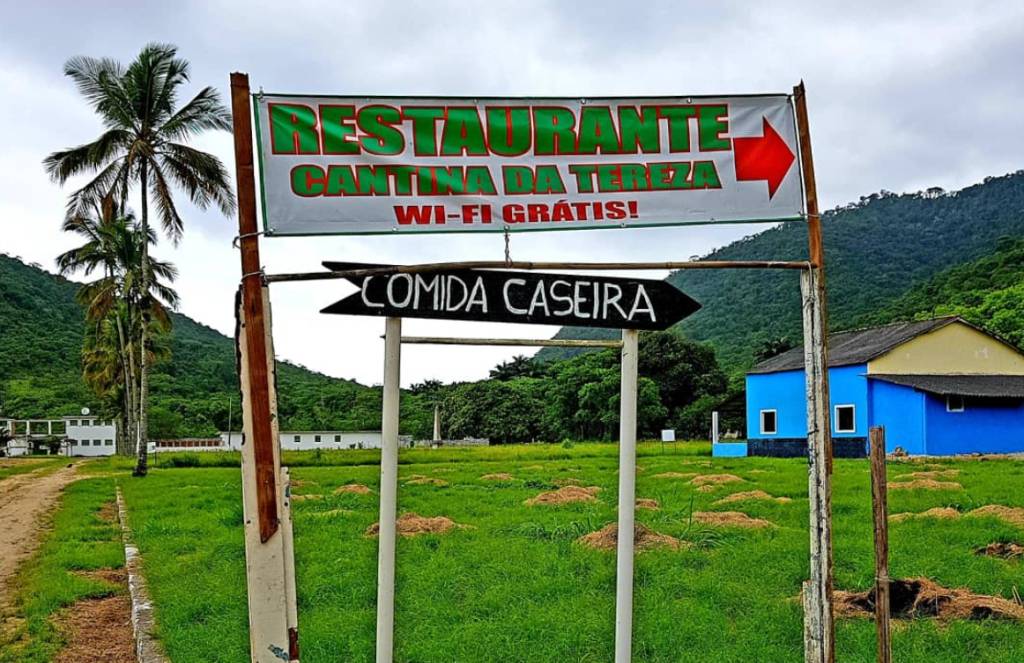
784	392
985	426
901	410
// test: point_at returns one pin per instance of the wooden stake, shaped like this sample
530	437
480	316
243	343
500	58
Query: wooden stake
819	628
259	365
880	513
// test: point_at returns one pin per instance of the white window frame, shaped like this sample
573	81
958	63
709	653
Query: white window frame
761	422
950	408
835	420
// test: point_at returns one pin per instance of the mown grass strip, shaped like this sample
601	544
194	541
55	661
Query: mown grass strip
80	539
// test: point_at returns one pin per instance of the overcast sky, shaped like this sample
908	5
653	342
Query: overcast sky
902	96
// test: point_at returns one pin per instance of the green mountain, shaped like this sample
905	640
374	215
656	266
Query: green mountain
988	292
877	250
194	393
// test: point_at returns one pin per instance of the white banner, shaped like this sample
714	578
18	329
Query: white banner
362	165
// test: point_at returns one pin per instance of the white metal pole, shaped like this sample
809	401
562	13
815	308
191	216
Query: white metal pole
714	427
627	499
388	492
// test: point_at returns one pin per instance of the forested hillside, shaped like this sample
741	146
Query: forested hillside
41	330
877	249
988	292
192	391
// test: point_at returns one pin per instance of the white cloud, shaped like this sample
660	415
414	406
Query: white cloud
902	96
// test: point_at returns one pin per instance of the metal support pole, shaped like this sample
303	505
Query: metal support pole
880	512
714	427
627	499
388	492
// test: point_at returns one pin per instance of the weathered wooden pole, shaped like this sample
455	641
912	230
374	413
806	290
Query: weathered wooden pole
388	492
627	499
819	629
880	514
273	630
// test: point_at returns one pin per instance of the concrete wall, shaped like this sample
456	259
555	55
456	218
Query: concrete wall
955	348
901	410
784	392
307	440
984	426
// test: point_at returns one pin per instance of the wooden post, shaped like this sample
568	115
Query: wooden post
627	499
388	492
880	513
273	632
819	629
267	563
258	386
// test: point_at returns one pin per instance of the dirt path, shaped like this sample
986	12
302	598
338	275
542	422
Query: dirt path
24	500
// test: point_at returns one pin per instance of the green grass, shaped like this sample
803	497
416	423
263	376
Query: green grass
515	586
79	541
25	464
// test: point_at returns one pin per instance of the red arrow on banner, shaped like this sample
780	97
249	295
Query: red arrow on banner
765	157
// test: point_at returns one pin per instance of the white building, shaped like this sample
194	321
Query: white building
309	440
82	435
90	436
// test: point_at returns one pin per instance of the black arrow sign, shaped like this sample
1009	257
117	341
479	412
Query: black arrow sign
516	296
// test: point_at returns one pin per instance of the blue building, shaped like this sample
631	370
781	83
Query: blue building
939	387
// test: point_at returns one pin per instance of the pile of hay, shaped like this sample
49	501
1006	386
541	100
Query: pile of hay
921	597
497	476
925	484
730	519
426	481
675	475
304	498
707	482
1011	514
1006	550
644	538
647	503
411	524
752	495
354	488
567	481
566	495
929	474
947	512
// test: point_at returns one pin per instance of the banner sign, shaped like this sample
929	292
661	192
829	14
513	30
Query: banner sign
516	296
363	165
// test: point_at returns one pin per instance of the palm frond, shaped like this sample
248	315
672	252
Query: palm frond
200	174
204	112
167	210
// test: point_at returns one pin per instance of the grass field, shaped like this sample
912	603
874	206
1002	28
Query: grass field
515	586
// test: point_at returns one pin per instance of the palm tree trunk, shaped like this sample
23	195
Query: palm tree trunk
142	466
127	413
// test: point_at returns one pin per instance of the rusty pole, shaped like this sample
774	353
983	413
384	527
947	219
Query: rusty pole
258	387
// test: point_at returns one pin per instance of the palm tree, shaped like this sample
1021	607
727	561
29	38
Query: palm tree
114	303
143	146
